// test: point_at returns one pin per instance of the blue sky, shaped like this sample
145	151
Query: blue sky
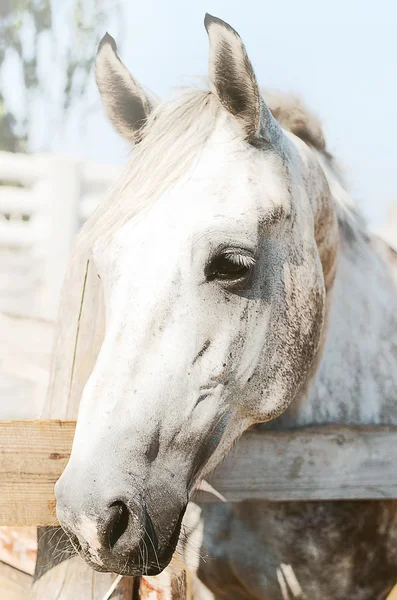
340	56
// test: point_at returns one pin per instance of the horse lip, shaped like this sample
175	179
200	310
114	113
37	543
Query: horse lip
177	529
133	569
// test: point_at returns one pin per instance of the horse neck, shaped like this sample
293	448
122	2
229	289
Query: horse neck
355	378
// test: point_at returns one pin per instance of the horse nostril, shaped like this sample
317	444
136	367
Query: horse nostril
117	522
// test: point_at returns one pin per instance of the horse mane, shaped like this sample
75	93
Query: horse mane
294	116
184	124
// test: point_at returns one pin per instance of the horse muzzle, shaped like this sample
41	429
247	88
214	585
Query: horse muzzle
121	534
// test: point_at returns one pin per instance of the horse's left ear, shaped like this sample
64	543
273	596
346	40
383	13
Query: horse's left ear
233	81
126	102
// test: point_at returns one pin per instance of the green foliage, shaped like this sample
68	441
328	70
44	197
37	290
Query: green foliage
23	26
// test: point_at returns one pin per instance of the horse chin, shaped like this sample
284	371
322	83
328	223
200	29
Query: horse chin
129	566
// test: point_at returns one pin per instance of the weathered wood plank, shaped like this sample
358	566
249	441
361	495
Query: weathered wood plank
79	336
33	454
322	463
311	464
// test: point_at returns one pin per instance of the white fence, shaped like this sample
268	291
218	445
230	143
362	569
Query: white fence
43	201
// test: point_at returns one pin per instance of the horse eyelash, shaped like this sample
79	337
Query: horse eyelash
244	260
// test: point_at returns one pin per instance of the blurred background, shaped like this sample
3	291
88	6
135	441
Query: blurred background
58	154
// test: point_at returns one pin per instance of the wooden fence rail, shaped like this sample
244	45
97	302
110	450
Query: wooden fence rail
321	463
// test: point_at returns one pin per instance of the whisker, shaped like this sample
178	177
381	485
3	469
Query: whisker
154	549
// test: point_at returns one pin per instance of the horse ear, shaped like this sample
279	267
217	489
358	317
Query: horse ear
126	102
233	81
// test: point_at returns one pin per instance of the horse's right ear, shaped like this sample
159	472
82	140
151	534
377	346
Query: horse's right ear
233	82
127	104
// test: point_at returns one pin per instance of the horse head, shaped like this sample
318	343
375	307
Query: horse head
215	255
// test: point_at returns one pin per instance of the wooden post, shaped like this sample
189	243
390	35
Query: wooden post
80	330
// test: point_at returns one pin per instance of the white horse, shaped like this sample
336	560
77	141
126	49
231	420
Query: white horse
240	284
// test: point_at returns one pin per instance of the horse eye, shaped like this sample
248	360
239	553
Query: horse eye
230	267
